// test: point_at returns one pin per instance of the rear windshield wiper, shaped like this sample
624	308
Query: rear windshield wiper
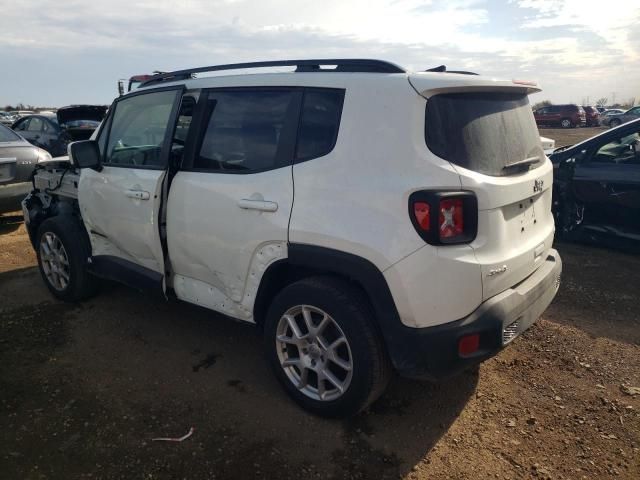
527	162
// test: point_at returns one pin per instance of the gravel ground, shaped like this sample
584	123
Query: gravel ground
571	136
85	387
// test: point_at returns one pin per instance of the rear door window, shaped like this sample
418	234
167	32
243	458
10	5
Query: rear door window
35	125
493	133
247	131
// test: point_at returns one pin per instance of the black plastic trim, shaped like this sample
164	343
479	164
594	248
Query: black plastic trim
367	276
126	272
433	198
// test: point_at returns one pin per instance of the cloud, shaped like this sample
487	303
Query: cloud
65	52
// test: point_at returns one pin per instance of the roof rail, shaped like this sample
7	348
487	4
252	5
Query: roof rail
341	65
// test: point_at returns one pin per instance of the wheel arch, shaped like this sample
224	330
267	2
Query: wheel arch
308	260
38	212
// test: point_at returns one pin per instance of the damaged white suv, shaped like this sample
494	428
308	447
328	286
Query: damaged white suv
366	218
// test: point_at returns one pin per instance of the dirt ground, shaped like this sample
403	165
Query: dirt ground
84	389
570	136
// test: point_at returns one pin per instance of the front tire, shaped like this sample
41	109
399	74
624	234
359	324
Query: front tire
614	123
63	249
324	348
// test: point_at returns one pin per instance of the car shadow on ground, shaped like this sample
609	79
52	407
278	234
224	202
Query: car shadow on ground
134	368
10	223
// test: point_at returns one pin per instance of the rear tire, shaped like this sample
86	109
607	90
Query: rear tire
303	359
566	123
62	248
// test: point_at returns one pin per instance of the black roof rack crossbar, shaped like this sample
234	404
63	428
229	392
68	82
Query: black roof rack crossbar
341	65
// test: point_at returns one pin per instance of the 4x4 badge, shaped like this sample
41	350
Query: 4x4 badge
537	186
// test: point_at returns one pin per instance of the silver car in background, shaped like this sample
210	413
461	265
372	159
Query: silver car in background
18	158
7	118
613	120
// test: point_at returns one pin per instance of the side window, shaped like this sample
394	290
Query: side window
319	122
244	131
622	150
102	136
35	125
23	125
48	127
138	129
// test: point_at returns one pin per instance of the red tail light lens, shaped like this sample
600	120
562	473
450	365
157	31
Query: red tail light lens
451	220
444	217
422	213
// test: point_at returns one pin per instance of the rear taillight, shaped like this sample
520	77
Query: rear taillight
422	214
444	218
451	221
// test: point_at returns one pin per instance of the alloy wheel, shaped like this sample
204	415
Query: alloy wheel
54	260
314	353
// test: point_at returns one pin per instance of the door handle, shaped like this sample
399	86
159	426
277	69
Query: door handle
137	194
261	205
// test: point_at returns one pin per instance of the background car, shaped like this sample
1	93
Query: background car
7	118
597	185
613	120
54	131
17	160
565	116
592	116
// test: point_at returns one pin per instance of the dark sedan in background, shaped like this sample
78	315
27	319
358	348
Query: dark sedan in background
613	120
17	160
54	131
596	185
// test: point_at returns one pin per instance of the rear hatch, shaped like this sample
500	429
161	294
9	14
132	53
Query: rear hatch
486	130
80	120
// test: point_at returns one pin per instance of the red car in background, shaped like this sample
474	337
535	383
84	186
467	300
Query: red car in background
565	116
592	116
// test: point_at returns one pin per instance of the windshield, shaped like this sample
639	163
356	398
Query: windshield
7	135
493	133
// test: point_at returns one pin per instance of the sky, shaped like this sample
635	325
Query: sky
56	53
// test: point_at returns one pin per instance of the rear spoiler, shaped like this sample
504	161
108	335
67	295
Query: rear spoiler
428	84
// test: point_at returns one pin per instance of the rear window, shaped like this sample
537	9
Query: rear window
492	133
7	135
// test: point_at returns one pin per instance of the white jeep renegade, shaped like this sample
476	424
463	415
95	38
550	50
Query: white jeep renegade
365	218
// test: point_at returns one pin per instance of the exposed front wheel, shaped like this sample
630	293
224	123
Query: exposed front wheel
324	348
63	249
614	123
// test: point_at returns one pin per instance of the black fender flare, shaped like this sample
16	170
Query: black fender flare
368	278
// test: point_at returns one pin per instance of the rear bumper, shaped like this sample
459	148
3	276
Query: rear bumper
432	352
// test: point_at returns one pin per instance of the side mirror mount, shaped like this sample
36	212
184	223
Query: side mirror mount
85	154
121	87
